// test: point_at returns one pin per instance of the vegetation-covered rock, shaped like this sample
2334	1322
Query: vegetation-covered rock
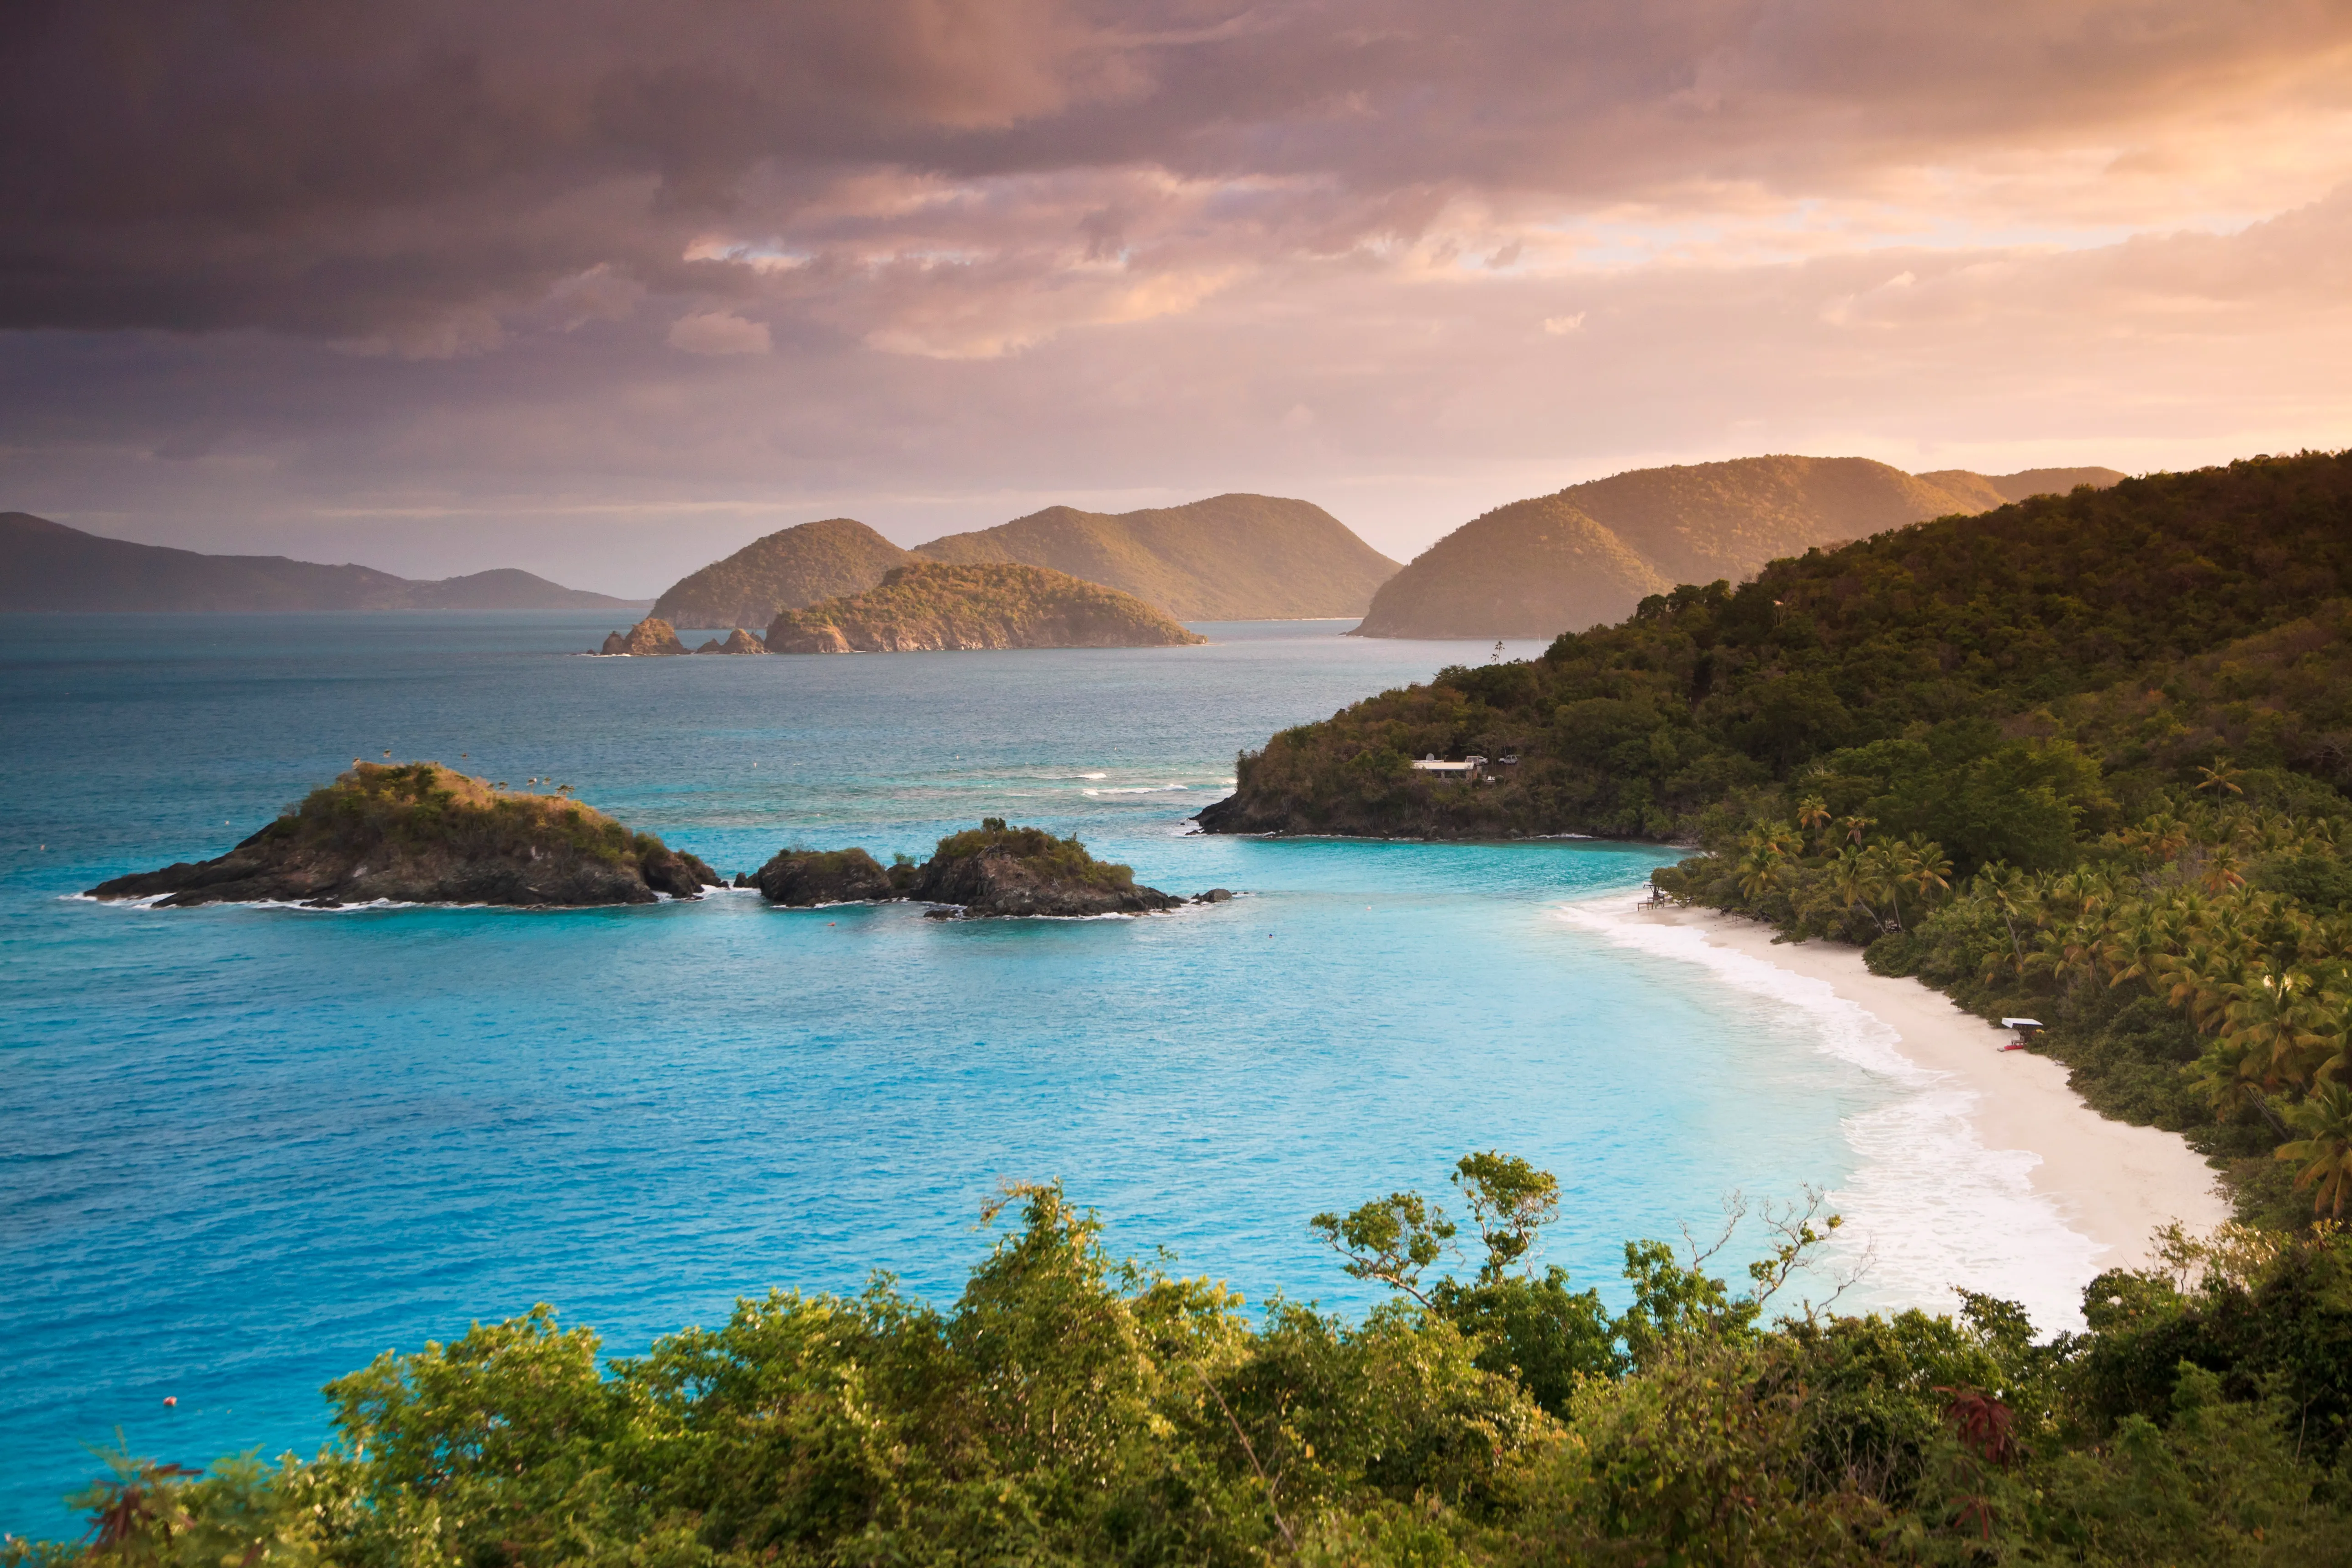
805	878
927	607
995	869
420	832
1072	1409
992	870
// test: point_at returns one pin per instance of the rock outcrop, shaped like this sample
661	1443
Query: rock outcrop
802	878
1000	870
992	870
650	637
928	608
419	833
737	641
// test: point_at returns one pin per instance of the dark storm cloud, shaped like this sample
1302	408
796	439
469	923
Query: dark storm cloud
422	177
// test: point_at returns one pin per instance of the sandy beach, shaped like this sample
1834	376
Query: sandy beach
2114	1183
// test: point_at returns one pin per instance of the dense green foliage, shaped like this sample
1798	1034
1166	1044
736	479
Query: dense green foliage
1063	860
2103	616
1073	1409
419	808
1998	749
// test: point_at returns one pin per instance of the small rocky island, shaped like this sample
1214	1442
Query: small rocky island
992	870
928	607
654	638
418	833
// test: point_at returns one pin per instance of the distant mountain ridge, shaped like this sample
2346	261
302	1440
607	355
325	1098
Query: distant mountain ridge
1587	555
1228	558
47	566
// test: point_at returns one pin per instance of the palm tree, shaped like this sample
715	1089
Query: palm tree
2326	1149
1887	864
2009	890
1929	870
1853	880
1813	814
2268	1018
2220	776
1760	870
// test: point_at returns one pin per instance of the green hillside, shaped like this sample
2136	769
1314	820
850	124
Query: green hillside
1504	574
784	570
1229	558
2078	759
930	607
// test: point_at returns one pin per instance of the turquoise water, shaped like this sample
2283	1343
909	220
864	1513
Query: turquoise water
247	1149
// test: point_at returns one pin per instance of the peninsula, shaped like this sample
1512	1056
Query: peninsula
925	607
418	833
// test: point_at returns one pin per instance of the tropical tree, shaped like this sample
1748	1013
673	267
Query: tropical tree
2325	1148
1852	878
2222	776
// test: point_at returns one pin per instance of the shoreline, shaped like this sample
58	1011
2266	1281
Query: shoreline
2111	1183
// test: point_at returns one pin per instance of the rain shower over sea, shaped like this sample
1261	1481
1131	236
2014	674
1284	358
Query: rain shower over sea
245	1150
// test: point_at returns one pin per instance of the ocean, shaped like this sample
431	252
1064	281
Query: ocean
247	1149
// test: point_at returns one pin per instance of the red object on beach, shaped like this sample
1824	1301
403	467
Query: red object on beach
171	1399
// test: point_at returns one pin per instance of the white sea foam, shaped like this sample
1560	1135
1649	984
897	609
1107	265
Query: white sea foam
1927	1205
1136	789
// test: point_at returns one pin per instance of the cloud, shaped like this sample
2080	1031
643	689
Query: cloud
412	164
943	260
717	332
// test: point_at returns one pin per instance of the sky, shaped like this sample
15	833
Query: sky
606	290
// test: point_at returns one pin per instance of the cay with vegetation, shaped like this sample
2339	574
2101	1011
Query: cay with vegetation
992	870
418	833
925	607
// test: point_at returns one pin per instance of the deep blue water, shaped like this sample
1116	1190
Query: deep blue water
244	1151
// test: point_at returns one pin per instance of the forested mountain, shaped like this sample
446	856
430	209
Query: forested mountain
786	570
1229	558
46	565
1586	555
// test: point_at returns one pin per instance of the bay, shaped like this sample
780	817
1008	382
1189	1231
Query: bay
247	1149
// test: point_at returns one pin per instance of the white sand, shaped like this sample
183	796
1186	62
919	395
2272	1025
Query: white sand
2114	1183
